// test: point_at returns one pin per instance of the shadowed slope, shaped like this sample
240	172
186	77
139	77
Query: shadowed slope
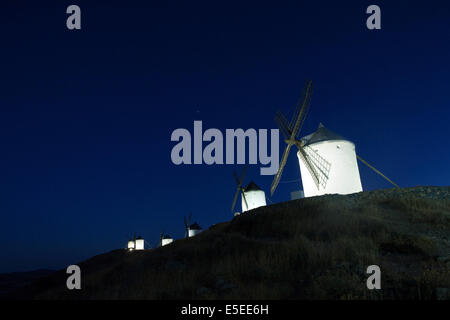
314	248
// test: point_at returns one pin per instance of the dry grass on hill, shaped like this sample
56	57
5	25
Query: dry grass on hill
314	248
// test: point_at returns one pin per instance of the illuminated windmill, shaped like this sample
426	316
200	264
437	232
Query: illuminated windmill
191	230
328	162
239	189
130	245
251	196
164	239
136	243
139	243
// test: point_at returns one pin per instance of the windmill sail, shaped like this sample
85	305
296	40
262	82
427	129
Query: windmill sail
187	223
239	188
328	162
292	130
282	124
243	197
322	167
309	166
277	178
233	204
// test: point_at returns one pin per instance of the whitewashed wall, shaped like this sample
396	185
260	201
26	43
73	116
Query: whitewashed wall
139	244
344	172
166	241
255	199
193	232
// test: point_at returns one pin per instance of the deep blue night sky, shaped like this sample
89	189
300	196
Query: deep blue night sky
86	116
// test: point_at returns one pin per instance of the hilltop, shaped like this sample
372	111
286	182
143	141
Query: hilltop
313	248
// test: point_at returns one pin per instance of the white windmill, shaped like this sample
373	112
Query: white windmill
191	229
135	243
139	243
251	196
328	162
255	197
130	245
164	239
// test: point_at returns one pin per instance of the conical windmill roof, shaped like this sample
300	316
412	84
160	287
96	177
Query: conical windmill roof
321	134
252	187
195	226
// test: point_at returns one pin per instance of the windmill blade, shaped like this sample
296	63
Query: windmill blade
298	107
277	177
283	130
305	111
309	166
245	200
161	238
303	105
186	228
236	177
149	245
234	200
321	166
281	121
244	171
378	172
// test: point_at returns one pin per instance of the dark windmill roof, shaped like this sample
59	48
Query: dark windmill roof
195	226
139	238
166	236
321	134
252	187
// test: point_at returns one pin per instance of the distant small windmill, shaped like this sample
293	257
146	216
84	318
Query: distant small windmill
187	223
131	245
255	196
191	229
164	239
327	161
252	196
139	243
239	188
194	229
136	243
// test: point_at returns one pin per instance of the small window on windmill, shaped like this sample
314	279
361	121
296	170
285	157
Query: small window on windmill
338	146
